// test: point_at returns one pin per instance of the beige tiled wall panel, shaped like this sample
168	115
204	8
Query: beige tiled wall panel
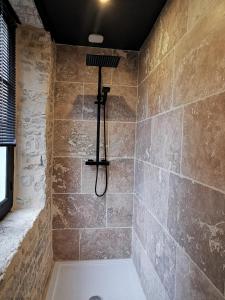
89	227
178	222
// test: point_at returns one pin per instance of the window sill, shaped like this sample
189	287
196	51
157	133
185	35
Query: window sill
13	229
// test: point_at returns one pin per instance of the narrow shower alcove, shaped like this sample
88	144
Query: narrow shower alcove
158	231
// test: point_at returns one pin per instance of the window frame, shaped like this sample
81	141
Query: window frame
11	20
7	203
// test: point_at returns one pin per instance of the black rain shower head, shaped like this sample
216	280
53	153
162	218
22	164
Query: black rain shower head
102	60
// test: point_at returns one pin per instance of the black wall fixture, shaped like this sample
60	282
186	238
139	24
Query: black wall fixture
101	61
124	23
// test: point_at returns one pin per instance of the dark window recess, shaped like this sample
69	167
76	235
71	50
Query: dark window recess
8	21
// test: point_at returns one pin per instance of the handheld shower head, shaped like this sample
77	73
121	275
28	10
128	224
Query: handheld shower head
105	91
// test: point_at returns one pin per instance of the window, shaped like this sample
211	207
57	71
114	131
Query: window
7	104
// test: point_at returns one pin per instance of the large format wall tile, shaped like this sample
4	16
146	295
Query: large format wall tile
90	97
160	83
145	58
167	31
89	176
71	64
142	101
66	244
143	140
126	72
200	8
166	140
203	142
150	280
139	220
161	250
68	100
121	176
156	185
66	175
119	210
200	59
172	25
105	243
191	284
121	104
78	211
121	139
196	220
139	183
75	138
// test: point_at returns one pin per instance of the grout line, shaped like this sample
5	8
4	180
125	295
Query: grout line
110	158
91	194
94	121
94	83
183	176
91	228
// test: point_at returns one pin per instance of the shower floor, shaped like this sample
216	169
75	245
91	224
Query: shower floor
108	279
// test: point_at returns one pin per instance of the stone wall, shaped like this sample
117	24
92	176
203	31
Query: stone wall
34	116
27	12
84	226
27	246
179	207
26	237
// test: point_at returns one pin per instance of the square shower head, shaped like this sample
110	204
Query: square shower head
102	60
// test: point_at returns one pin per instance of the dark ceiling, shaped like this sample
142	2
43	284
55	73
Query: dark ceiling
124	23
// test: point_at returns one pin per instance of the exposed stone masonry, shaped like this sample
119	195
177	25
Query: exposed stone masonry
26	236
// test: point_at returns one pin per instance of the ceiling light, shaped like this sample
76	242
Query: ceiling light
104	1
95	38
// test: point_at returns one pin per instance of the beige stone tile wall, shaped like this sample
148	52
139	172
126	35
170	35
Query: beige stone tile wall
179	226
84	226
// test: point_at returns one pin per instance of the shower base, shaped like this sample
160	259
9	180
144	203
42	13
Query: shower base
107	279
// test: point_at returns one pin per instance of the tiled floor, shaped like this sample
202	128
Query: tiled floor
109	279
